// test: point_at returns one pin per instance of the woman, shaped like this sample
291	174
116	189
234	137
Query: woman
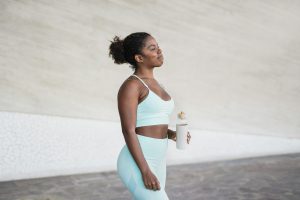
144	109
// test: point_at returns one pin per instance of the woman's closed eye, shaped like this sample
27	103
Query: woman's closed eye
154	48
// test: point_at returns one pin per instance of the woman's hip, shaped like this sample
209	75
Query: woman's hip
154	151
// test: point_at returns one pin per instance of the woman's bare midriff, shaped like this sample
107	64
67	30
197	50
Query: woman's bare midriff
155	131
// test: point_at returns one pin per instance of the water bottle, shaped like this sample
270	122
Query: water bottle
181	131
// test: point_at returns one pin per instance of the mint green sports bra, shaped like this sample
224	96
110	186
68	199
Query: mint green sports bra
153	109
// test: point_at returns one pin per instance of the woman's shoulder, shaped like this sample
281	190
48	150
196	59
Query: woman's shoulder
131	80
130	83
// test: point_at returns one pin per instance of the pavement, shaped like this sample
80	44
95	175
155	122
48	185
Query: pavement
261	178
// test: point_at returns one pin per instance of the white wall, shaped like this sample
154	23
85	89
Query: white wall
232	66
35	146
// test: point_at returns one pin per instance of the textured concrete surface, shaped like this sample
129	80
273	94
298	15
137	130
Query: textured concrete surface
230	65
262	178
31	146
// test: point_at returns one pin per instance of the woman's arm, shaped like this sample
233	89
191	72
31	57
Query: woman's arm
128	96
127	105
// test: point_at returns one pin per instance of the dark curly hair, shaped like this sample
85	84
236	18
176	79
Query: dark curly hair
123	51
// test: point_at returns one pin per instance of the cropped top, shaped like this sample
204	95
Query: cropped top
153	109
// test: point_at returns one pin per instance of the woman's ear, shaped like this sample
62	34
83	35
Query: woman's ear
138	58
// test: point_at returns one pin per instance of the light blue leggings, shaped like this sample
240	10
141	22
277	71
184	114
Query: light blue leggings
154	151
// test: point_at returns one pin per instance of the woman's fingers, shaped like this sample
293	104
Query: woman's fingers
153	184
150	186
156	186
188	137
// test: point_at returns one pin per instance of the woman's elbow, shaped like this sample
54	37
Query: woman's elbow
128	131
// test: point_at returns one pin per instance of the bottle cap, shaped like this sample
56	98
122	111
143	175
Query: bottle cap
181	115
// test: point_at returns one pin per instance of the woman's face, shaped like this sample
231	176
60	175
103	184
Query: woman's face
152	53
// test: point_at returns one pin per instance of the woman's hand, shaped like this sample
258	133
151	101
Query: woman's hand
173	137
150	180
188	137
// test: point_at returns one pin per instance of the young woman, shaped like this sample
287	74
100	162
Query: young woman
144	109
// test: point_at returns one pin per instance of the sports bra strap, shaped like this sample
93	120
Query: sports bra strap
140	80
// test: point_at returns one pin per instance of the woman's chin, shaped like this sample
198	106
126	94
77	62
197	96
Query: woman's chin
160	64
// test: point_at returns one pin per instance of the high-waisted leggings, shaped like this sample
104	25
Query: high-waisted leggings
154	150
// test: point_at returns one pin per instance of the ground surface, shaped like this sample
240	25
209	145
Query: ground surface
262	178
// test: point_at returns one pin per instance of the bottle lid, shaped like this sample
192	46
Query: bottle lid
181	115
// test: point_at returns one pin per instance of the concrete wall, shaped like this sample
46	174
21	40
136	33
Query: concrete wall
232	66
35	146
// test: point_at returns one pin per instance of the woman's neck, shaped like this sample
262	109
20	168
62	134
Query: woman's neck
145	74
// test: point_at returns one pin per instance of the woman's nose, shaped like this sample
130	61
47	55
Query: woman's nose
159	51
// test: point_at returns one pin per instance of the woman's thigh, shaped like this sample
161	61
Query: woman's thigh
132	178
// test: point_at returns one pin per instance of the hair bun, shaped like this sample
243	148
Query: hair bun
116	50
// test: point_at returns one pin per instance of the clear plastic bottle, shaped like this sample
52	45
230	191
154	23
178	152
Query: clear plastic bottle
181	131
